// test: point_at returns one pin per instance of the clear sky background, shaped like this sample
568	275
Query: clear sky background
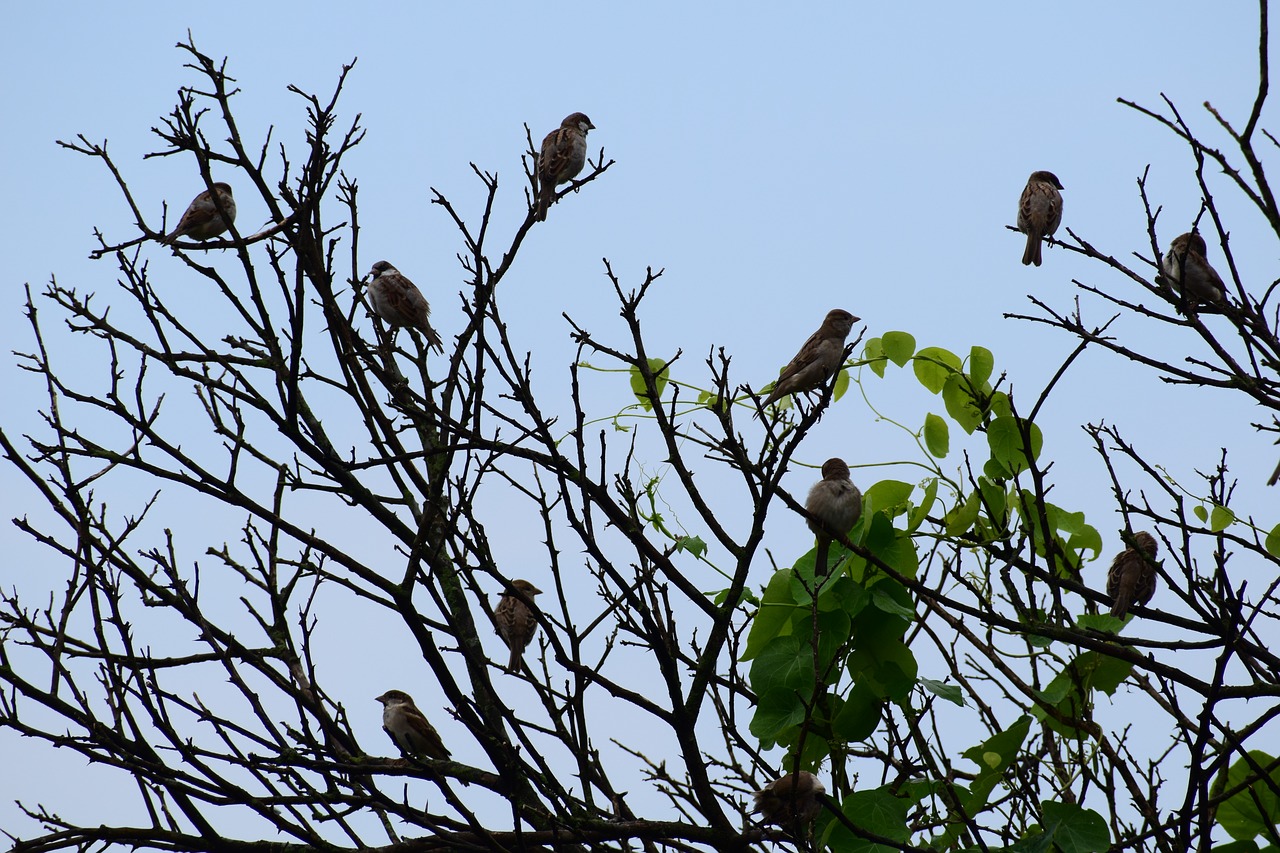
777	165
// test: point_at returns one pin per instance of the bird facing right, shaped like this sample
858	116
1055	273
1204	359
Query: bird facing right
1132	576
837	503
399	302
515	622
408	727
564	153
1039	212
792	801
1203	284
819	358
202	219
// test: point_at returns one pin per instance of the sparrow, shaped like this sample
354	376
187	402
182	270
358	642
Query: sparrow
202	219
1132	577
399	302
564	152
819	358
1204	285
515	622
836	502
1039	212
791	801
408	728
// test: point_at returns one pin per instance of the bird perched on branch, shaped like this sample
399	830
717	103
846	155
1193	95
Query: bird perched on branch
1132	577
1202	283
564	152
791	802
408	727
203	219
819	358
836	502
1039	212
399	302
515	622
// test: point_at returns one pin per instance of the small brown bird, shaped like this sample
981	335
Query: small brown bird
837	503
1039	212
399	302
1204	285
202	219
564	152
792	801
819	358
515	622
1132	577
408	727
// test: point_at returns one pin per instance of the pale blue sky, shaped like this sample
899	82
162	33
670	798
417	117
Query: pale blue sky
866	156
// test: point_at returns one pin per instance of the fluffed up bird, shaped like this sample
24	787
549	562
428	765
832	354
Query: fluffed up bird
564	152
792	801
515	622
408	727
837	503
819	358
1039	212
1203	284
1132	577
399	302
202	219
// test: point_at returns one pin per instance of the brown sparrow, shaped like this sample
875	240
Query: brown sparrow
202	219
397	301
791	801
1132	577
515	622
564	152
1039	212
1204	285
819	358
408	728
836	502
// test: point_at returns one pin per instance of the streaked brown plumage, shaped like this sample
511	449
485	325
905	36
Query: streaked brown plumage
202	219
563	154
837	502
399	302
1039	212
819	358
1203	284
408	727
515	622
1132	577
790	802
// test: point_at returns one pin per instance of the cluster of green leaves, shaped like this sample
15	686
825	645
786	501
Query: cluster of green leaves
1252	806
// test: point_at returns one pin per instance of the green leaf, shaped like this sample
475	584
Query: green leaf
873	354
950	692
1200	513
921	510
1075	829
773	619
780	675
842	385
692	544
1254	810
859	716
958	398
658	368
960	518
933	365
899	347
981	363
993	757
1221	518
891	497
1004	437
936	436
878	812
1273	541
